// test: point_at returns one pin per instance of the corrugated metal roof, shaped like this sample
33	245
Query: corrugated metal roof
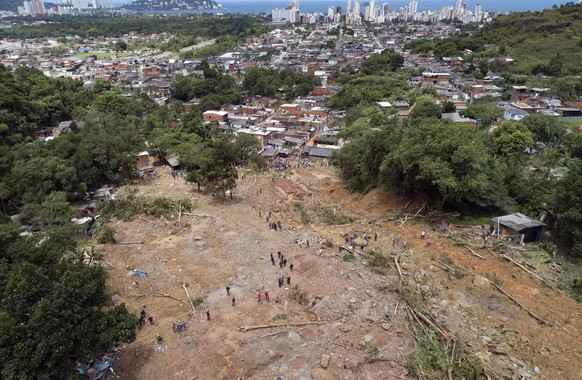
517	221
320	152
269	152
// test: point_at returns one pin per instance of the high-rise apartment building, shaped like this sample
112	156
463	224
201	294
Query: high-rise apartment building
458	8
32	8
102	4
413	6
80	4
290	14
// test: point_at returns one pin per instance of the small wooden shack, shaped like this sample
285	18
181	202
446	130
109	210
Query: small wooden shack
519	224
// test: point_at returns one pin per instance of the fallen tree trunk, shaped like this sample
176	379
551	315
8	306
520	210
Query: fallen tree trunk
524	268
474	253
257	327
354	251
160	294
189	299
396	259
534	316
268	335
197	215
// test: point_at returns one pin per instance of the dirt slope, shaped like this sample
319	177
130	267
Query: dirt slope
365	336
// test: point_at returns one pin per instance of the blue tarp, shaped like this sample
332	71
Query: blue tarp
140	273
101	368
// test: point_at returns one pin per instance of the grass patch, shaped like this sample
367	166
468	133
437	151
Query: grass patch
377	260
281	317
127	207
349	257
432	359
104	233
415	299
297	295
198	300
435	357
103	54
331	216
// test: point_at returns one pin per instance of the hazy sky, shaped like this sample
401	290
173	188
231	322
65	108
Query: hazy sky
535	3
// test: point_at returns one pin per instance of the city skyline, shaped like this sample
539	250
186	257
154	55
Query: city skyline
384	13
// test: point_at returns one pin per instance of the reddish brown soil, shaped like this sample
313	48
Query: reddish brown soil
225	243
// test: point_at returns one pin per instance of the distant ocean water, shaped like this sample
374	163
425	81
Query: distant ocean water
313	6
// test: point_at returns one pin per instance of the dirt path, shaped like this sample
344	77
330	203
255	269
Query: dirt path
226	243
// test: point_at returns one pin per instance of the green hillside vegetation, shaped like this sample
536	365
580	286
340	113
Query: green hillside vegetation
455	166
186	26
547	42
10	5
52	286
541	42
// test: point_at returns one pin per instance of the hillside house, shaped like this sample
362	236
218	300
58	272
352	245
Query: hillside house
519	94
513	113
519	224
142	159
219	116
435	79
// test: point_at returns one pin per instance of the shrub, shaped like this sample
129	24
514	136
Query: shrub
299	296
105	234
329	216
198	300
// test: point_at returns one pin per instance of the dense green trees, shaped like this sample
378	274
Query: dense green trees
511	138
32	180
482	109
246	146
361	159
213	89
426	107
51	308
545	129
212	164
567	206
446	47
387	61
370	88
447	161
266	82
186	27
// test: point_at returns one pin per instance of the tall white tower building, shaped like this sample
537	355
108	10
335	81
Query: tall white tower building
413	6
349	9
357	8
459	8
478	12
373	11
80	4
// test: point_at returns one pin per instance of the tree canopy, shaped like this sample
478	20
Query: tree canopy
446	161
266	82
567	206
51	308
